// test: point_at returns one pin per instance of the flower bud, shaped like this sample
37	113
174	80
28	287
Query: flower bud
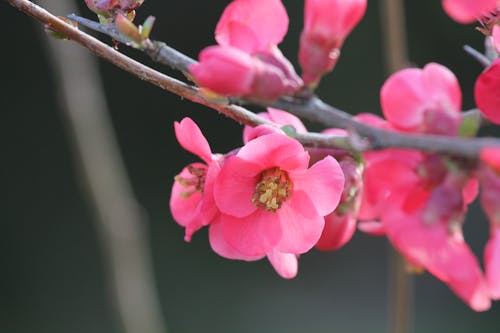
326	25
231	72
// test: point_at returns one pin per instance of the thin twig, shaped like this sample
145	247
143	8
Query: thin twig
312	109
481	58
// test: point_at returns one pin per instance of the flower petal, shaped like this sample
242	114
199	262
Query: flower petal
301	225
190	138
235	186
266	23
323	183
492	262
254	235
275	150
223	248
285	264
486	92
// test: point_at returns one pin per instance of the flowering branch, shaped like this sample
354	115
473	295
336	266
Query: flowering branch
363	137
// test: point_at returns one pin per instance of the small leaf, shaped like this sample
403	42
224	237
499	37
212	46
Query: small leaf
289	130
469	126
52	33
128	29
147	26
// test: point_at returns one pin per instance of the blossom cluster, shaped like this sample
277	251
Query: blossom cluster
273	198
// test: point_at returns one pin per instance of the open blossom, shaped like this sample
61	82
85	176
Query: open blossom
247	62
424	100
468	11
326	25
487	92
270	201
191	202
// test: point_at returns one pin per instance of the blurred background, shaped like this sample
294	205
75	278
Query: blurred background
53	274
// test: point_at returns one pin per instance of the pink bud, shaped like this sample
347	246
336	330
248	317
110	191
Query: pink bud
326	24
232	72
487	92
225	70
252	25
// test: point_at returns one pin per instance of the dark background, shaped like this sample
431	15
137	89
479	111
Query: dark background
52	271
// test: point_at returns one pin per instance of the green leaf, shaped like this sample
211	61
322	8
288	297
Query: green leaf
469	127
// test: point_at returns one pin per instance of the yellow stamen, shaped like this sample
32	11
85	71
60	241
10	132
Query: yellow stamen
272	190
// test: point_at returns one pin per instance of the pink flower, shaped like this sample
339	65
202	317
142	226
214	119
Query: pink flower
191	202
247	63
277	116
326	25
486	92
423	100
439	247
468	11
270	202
252	25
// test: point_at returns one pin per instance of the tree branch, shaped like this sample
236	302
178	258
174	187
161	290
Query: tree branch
313	109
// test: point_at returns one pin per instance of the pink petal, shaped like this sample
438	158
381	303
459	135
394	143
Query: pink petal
333	18
442	86
338	230
223	248
250	133
443	253
225	70
208	207
275	150
254	235
404	99
266	19
491	157
301	225
286	119
235	187
323	183
186	211
190	138
487	92
373	228
285	264
470	191
495	34
492	262
468	11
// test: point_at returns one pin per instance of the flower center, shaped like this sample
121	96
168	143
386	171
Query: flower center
193	184
272	190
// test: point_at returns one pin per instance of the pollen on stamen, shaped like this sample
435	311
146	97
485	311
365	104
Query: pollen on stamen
272	190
